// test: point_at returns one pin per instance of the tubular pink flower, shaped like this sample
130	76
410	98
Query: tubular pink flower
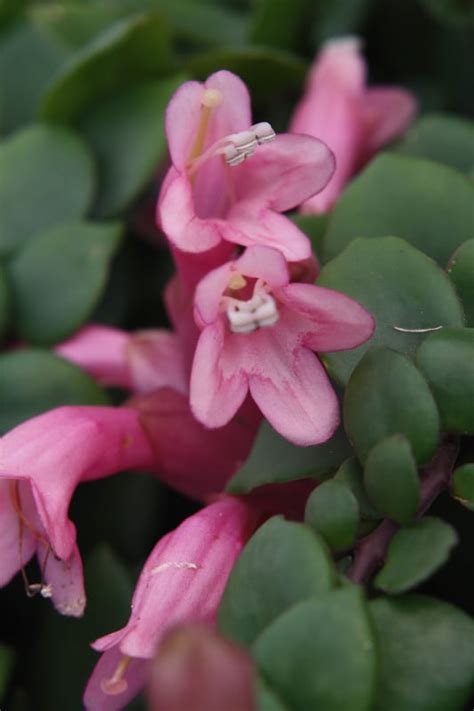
354	121
183	580
258	334
208	197
41	463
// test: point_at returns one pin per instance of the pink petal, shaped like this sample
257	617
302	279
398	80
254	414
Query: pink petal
94	697
253	224
156	361
185	575
57	450
209	292
67	582
99	350
184	112
189	457
286	172
217	391
334	321
12	556
264	263
294	393
387	113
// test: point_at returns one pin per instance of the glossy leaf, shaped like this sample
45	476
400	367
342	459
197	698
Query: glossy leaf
32	381
425	654
400	286
4	301
461	273
463	485
46	177
126	133
286	563
447	360
133	49
275	460
431	206
59	277
391	479
351	474
415	553
320	654
333	512
445	138
387	395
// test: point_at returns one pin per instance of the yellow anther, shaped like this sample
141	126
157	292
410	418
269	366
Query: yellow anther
212	98
236	282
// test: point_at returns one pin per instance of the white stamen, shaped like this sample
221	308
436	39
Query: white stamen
180	565
46	591
246	316
263	131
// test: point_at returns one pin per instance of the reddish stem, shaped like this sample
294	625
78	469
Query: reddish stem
370	552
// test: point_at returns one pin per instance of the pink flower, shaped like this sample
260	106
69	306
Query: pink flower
183	580
354	121
258	334
41	463
211	194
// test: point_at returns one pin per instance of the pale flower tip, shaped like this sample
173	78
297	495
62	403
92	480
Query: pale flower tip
212	98
113	687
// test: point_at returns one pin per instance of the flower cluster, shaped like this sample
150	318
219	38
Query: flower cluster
248	323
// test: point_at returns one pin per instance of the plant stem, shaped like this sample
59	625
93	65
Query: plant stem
370	552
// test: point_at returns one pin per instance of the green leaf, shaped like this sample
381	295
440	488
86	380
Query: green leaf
391	479
336	18
286	562
351	474
429	205
314	227
127	135
400	286
59	277
425	654
275	460
267	700
46	177
415	553
446	358
7	659
463	485
387	395
28	60
131	50
4	301
281	23
63	657
257	66
32	381
461	273
333	512
320	654
444	138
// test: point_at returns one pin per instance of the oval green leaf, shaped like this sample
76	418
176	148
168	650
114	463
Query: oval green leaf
274	460
447	360
133	49
461	273
127	135
415	553
391	479
429	205
46	177
388	395
425	654
286	563
333	512
400	286
351	474
59	277
320	654
32	381
444	138
463	485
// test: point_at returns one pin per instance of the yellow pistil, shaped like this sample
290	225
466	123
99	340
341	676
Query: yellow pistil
210	100
116	684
